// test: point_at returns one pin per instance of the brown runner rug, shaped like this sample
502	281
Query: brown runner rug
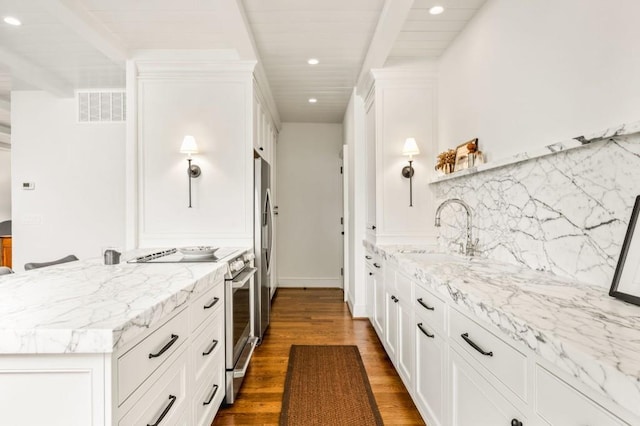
327	385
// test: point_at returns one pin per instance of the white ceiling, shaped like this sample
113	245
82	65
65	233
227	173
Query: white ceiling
289	32
72	44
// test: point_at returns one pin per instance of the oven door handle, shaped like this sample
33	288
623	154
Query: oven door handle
240	372
241	280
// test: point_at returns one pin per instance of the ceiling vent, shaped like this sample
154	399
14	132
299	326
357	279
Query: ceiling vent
101	107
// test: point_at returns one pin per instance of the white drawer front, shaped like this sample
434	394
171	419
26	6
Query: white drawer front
166	399
558	403
207	345
135	366
207	304
430	309
505	362
210	394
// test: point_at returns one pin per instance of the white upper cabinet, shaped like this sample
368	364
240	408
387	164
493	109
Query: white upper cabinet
264	129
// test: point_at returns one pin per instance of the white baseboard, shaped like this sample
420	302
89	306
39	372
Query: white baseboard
357	311
289	282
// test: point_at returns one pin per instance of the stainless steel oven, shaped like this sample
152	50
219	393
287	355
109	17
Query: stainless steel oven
240	340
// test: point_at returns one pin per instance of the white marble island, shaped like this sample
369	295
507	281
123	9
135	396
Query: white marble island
76	328
576	332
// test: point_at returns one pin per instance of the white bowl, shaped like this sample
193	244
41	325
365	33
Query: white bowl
198	251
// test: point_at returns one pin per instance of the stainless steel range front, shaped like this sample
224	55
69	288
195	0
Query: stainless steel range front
240	341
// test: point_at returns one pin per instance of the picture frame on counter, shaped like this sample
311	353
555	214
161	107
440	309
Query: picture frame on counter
462	155
626	279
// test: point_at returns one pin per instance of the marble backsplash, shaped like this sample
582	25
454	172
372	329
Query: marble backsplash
566	213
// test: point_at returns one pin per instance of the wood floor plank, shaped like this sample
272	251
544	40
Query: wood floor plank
314	317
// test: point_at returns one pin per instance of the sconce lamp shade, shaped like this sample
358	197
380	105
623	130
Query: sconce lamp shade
410	147
189	145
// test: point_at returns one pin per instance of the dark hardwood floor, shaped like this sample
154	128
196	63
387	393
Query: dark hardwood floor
314	317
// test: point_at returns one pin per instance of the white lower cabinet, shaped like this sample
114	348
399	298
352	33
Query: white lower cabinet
398	330
210	394
167	400
463	372
174	375
430	391
378	299
473	401
558	403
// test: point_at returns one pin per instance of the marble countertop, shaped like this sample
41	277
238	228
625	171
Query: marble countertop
577	327
88	307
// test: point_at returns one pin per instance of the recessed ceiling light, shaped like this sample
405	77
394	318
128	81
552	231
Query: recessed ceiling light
312	100
436	10
12	21
313	61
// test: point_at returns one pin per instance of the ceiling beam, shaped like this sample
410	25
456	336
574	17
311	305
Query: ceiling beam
392	18
33	75
4	145
240	35
73	14
5	105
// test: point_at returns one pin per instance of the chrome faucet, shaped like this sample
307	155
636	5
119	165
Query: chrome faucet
471	245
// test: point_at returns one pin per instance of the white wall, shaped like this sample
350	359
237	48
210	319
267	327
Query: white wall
529	73
5	185
309	205
405	106
77	206
215	106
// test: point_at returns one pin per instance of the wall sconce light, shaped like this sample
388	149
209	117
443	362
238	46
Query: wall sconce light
189	147
410	148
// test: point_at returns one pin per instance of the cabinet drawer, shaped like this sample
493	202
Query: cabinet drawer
207	345
210	394
207	304
503	361
430	309
166	399
135	366
557	403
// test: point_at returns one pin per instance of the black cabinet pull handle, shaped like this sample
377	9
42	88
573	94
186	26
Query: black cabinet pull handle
213	302
376	265
370	273
261	149
473	344
368	257
165	411
373	227
396	300
425	332
174	337
213	346
424	305
215	390
516	422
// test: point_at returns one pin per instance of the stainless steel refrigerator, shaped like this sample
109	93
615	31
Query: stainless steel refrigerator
263	244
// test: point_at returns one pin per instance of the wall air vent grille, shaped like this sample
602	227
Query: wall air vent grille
101	106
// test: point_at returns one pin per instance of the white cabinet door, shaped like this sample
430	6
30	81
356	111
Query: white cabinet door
406	340
378	303
430	373
391	325
369	291
370	167
557	403
473	400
